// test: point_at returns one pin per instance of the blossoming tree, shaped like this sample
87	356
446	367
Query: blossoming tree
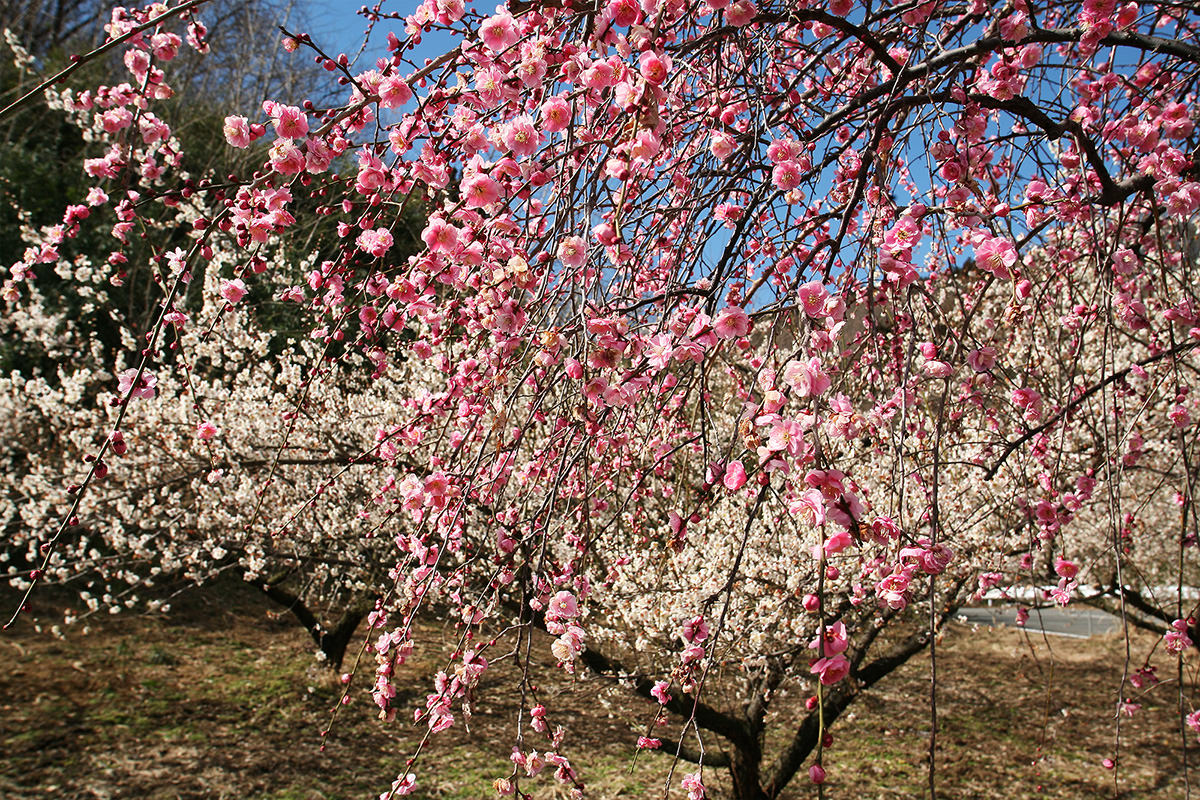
65	339
748	340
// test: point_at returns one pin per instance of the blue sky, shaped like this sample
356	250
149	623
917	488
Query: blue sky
335	25
335	22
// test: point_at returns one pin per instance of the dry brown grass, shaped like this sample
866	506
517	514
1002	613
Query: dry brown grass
224	702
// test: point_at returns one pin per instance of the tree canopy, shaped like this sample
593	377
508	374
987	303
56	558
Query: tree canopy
741	344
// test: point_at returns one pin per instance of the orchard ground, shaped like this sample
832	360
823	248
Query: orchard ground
222	699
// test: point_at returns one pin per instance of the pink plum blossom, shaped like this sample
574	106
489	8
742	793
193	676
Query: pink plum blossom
480	190
997	256
233	290
654	67
1176	639
394	92
376	242
521	137
735	476
290	121
721	144
832	669
572	251
556	114
1065	568
564	606
237	131
731	322
499	32
142	388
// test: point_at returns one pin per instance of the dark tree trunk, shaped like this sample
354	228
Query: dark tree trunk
333	642
744	772
336	642
743	735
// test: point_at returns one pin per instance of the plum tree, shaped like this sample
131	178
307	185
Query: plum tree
747	342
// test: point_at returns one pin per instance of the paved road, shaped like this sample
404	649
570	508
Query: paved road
1078	623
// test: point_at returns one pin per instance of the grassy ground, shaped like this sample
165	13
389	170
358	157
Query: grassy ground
224	701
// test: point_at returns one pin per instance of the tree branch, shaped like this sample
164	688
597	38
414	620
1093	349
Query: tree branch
1118	375
707	717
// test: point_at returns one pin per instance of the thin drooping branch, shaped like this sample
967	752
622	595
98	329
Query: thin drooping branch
807	735
1015	444
709	758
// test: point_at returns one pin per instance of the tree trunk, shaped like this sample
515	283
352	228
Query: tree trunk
335	642
744	773
332	642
